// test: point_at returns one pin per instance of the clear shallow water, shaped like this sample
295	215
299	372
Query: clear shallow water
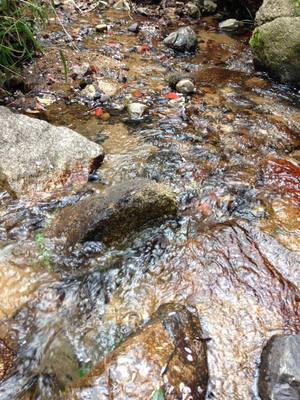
232	254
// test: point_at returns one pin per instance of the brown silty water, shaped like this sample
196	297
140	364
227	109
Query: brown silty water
230	152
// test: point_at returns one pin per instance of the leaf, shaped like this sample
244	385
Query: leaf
158	394
99	111
171	96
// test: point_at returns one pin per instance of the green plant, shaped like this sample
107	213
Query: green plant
158	394
65	64
255	41
18	19
41	245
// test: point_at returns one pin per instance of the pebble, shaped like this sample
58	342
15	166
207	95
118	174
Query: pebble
185	86
89	92
121	5
101	28
136	110
230	25
209	7
184	39
134	28
107	88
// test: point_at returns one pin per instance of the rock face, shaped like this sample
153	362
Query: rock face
276	40
123	208
279	376
184	39
272	9
168	353
36	156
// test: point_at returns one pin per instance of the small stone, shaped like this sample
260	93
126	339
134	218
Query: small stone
142	11
101	28
209	7
230	25
80	70
89	92
105	116
185	86
184	39
134	28
136	110
121	5
107	88
192	10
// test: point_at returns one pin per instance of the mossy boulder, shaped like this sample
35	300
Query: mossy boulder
272	9
276	48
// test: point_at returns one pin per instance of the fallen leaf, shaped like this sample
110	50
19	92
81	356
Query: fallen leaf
99	111
171	96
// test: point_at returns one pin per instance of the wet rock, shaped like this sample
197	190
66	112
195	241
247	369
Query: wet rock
185	86
192	10
279	374
89	92
121	5
136	110
184	39
108	88
275	41
6	359
60	363
209	7
134	28
80	70
174	78
282	177
230	25
36	156
101	28
123	208
168	353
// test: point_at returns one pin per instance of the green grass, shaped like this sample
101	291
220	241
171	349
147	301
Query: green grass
18	22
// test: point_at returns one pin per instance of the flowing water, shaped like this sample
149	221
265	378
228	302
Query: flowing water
230	152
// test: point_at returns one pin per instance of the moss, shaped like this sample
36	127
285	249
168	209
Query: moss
256	41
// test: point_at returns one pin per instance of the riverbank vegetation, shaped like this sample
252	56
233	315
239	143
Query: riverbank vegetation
18	23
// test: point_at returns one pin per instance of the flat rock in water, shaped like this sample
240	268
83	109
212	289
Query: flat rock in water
166	357
123	208
36	156
279	375
184	39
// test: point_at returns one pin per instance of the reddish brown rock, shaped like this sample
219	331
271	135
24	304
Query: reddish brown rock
168	353
123	208
283	177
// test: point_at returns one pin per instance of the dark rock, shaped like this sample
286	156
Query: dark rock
36	156
123	208
192	10
168	353
184	39
279	375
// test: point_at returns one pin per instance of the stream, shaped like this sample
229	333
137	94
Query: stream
230	152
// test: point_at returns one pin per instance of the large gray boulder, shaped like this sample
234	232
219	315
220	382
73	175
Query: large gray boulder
276	40
38	157
272	9
111	215
279	374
